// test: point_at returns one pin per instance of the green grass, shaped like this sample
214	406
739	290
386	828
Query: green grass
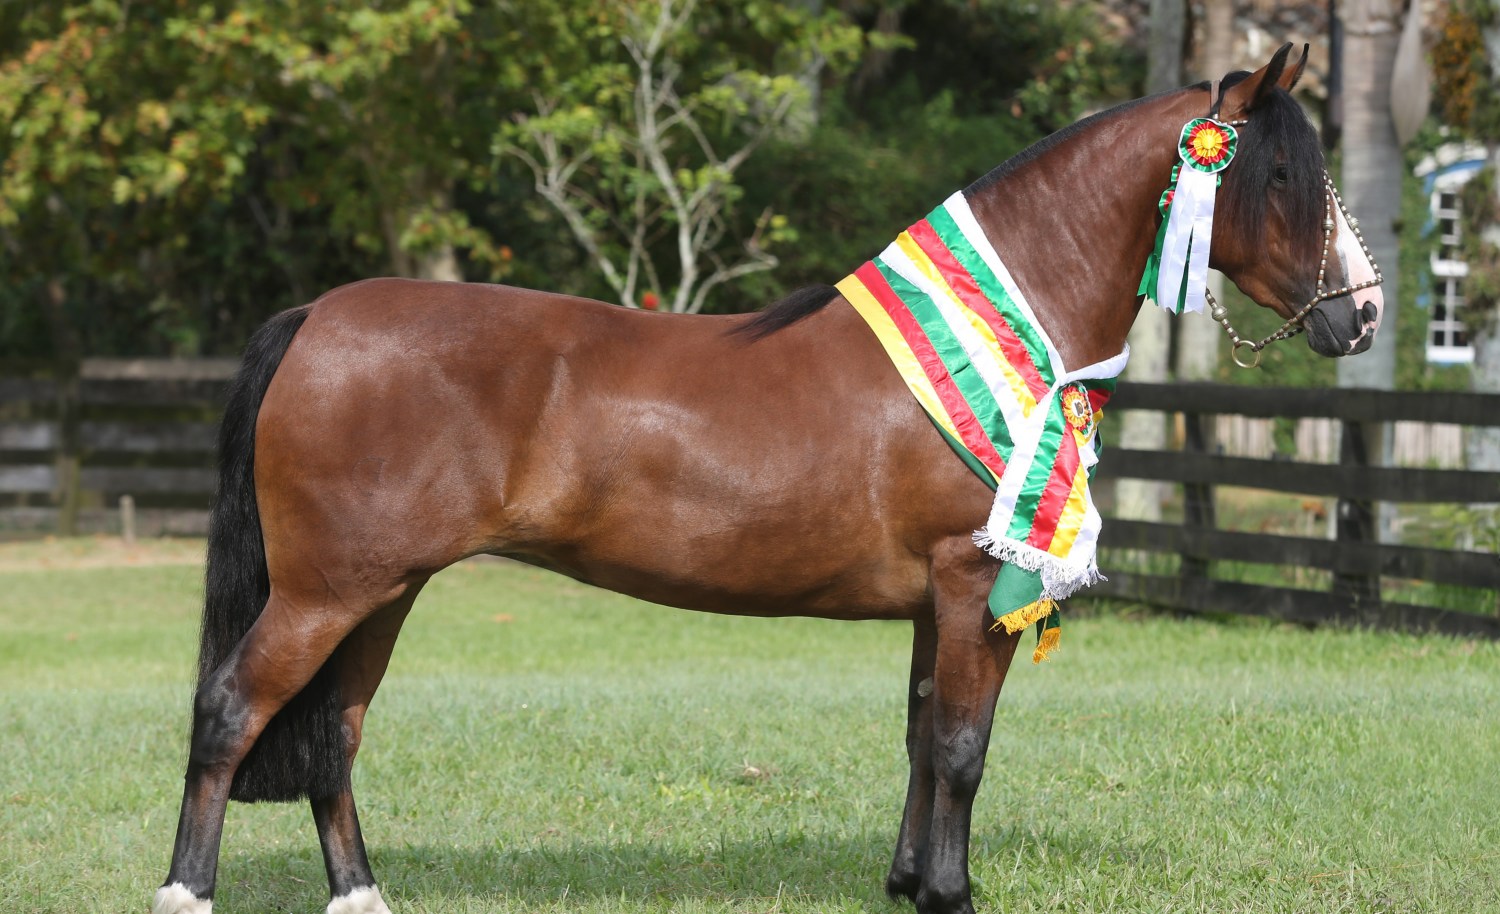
541	746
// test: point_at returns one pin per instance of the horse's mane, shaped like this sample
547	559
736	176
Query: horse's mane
787	311
1279	133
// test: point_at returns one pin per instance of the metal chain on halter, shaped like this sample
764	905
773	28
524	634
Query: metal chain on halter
1293	325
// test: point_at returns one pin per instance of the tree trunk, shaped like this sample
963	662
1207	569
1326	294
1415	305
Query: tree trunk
439	261
1371	182
1150	338
1373	169
1168	33
1198	335
1217	56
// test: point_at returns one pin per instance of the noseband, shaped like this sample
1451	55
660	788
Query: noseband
1293	325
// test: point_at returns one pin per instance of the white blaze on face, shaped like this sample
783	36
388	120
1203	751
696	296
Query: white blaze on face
1369	303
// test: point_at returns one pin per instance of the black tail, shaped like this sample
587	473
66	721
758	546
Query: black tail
301	751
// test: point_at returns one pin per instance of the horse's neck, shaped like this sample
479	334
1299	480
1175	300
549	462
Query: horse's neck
1076	223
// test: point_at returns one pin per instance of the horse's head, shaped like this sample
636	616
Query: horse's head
1280	232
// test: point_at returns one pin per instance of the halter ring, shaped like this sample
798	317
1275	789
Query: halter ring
1256	351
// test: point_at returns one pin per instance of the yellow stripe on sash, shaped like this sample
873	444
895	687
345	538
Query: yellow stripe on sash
1013	378
1070	521
900	353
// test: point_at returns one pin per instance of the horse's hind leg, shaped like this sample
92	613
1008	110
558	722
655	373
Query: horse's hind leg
905	877
289	642
971	666
361	663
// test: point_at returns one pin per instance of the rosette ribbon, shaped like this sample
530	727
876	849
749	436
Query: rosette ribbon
1177	273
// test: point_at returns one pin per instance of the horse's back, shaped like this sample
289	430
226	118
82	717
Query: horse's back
660	455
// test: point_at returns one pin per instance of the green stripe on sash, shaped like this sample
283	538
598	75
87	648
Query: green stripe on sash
1040	471
958	245
965	376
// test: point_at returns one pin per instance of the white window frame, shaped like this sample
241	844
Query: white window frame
1444	320
1450	272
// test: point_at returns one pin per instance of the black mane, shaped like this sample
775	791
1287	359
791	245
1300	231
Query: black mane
1278	133
788	311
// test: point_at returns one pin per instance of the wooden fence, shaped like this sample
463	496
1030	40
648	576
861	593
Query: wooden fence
1356	560
74	439
73	442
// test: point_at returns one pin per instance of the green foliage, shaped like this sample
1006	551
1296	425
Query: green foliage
149	152
1480	211
1467	89
173	172
638	149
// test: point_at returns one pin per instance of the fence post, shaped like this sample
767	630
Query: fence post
127	519
1356	524
1197	498
69	457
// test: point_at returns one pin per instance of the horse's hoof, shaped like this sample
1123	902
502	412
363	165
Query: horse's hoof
360	901
179	899
903	885
931	901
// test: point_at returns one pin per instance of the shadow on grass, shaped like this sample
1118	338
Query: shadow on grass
810	867
819	871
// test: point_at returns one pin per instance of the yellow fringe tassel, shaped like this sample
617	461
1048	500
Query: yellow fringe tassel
1047	643
1030	614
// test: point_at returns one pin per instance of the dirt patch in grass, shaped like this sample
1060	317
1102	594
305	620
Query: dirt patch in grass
51	553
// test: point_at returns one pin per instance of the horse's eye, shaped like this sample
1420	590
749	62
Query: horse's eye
1279	175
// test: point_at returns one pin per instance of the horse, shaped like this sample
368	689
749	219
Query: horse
771	464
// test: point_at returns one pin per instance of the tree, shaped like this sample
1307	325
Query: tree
639	155
1198	336
141	141
1466	61
1150	337
1372	166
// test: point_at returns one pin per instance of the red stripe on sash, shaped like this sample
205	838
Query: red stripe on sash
1055	495
1097	398
963	284
970	432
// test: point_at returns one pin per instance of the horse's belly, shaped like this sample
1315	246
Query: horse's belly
750	586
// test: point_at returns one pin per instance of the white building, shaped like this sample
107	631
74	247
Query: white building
1443	175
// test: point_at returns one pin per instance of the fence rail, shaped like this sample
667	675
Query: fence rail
75	438
1356	560
73	443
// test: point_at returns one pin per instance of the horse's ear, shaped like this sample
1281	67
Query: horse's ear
1249	92
1289	77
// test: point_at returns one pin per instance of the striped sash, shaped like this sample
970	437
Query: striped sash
956	326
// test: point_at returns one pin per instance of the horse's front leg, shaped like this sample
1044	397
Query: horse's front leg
905	877
971	666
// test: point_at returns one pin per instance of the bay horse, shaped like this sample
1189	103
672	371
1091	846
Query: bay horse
764	465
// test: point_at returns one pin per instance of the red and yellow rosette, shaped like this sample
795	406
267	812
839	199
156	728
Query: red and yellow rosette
1207	145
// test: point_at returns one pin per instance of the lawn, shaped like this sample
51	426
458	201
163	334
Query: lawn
540	746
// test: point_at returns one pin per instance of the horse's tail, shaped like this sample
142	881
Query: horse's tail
301	751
